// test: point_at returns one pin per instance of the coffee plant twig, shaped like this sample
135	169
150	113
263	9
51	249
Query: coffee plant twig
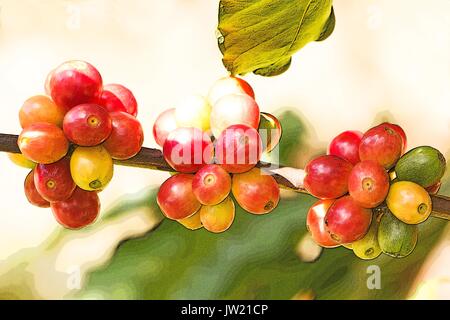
287	177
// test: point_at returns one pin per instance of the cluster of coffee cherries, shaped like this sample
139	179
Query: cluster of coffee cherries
213	145
70	137
372	195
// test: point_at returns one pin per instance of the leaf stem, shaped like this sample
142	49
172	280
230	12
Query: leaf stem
287	177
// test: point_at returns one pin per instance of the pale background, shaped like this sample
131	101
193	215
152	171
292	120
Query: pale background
383	55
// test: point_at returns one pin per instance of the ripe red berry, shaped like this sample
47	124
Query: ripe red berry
346	221
87	125
256	192
188	149
43	143
40	109
126	137
327	177
346	146
164	125
315	223
116	97
211	184
54	181
32	194
381	144
79	211
74	83
368	184
238	148
401	132
176	199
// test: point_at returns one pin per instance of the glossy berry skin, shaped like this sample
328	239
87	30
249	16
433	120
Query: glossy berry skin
238	148
54	181
193	111
381	144
187	150
315	223
346	221
176	199
368	184
32	194
116	97
193	222
211	184
229	85
40	109
255	192
327	177
164	125
270	131
218	218
91	168
346	146
401	132
74	83
126	137
87	125
234	109
79	211
19	160
409	202
43	143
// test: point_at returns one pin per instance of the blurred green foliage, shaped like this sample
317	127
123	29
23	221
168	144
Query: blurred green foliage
255	259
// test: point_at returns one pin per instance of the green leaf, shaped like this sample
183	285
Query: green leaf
261	36
329	27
